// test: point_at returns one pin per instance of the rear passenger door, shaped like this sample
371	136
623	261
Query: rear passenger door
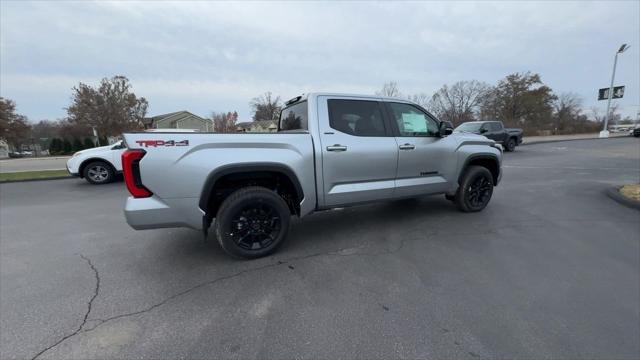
359	153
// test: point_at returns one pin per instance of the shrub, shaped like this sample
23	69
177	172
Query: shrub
88	143
55	147
66	147
77	145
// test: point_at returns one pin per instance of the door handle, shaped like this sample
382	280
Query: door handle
336	147
407	147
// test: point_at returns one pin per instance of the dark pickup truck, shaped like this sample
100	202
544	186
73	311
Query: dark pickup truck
494	130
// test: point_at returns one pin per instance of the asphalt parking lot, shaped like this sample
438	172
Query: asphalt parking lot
551	269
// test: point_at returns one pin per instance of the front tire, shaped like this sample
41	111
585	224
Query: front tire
98	173
252	222
511	145
475	189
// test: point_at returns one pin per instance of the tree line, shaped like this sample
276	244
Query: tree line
111	108
519	100
108	109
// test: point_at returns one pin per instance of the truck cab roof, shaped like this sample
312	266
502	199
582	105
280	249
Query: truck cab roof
306	96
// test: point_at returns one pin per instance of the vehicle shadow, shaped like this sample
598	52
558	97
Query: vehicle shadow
374	228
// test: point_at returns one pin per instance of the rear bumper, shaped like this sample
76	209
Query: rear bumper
153	213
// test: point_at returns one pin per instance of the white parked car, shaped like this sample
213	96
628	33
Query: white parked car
102	164
99	165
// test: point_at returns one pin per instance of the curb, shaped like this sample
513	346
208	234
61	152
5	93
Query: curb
40	179
65	157
614	193
558	140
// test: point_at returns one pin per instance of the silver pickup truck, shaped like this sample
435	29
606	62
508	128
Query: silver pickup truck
331	150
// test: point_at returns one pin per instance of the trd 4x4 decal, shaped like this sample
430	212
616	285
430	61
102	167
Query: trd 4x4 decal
156	143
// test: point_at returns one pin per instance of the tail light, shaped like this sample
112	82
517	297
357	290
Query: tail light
131	168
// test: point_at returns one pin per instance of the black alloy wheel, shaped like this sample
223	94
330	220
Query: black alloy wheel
479	191
255	227
475	190
252	222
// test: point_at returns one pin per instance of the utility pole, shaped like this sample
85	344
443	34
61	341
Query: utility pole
605	132
95	135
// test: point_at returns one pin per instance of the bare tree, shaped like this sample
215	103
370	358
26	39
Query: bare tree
567	108
112	108
460	102
45	130
266	107
14	128
600	117
595	115
421	99
389	89
224	122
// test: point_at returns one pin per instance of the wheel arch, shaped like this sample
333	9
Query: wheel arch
488	161
246	173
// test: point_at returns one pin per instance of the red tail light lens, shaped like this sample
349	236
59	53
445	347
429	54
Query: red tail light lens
131	169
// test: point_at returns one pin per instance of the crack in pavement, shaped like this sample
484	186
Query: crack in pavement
240	273
86	315
85	319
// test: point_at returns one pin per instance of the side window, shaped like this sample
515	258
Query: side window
294	117
495	126
356	117
412	121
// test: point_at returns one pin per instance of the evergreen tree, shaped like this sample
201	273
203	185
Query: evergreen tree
88	143
77	145
55	147
66	146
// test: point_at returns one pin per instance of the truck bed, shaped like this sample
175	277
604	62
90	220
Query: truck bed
176	166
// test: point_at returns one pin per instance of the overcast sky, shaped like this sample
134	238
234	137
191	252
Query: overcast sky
204	56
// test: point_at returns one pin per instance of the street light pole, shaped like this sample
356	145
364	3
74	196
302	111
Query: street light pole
605	133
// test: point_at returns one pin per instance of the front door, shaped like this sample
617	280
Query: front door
492	131
359	153
425	159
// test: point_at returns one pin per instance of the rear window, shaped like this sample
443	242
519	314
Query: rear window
470	127
356	117
294	117
496	126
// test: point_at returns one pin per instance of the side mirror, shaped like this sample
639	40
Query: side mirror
483	130
445	128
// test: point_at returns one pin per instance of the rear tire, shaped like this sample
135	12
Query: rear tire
252	222
511	145
98	173
476	188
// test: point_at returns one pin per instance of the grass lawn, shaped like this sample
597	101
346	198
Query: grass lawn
28	175
631	191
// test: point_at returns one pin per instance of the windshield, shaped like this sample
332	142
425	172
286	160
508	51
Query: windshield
469	127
